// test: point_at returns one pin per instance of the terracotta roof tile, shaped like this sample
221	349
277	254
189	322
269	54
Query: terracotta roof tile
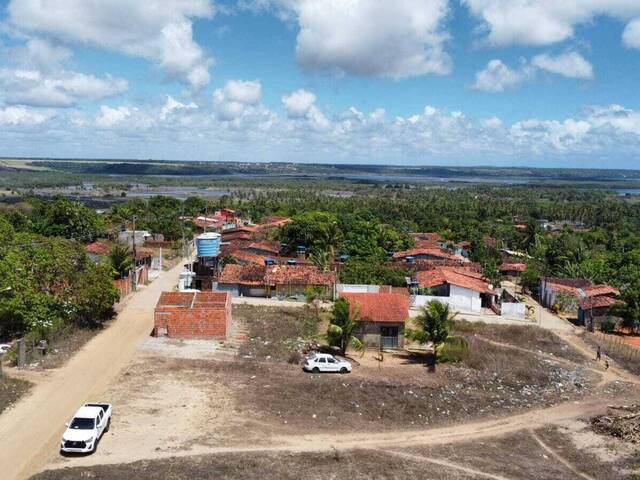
298	275
378	307
248	257
600	290
243	274
464	278
98	248
431	251
598	302
512	267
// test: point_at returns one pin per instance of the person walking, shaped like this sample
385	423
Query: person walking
598	353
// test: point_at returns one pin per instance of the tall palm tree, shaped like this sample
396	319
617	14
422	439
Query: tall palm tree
121	262
321	259
434	323
341	331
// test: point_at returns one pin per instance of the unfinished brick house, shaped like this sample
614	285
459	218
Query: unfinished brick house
205	315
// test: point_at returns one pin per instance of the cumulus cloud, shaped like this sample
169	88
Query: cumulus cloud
158	30
64	89
568	64
172	105
498	77
111	117
17	115
399	39
36	75
298	103
543	22
236	98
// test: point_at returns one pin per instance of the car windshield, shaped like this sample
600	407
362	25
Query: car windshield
82	424
312	356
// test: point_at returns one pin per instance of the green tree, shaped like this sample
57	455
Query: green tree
434	323
121	260
66	218
94	296
342	327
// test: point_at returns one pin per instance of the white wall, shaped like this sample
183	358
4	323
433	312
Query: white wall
351	288
459	299
515	310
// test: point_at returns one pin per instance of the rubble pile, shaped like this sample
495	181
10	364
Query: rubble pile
620	421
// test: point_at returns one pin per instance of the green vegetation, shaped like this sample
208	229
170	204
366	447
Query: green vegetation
342	327
435	323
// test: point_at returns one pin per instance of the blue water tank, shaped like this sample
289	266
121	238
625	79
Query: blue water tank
390	253
344	258
301	249
208	244
409	259
292	262
269	261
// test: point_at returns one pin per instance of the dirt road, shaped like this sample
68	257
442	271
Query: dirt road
30	432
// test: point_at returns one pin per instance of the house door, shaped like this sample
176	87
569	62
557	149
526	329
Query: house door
389	337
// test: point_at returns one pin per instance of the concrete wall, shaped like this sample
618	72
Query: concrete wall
459	299
514	310
351	288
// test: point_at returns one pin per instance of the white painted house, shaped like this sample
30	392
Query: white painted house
460	288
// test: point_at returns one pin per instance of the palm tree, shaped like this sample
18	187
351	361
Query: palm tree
121	262
330	239
343	326
435	323
321	259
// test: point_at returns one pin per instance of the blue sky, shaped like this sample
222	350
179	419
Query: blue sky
469	82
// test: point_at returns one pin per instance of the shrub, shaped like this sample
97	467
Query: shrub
608	326
455	349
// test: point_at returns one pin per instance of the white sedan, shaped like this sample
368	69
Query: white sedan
323	362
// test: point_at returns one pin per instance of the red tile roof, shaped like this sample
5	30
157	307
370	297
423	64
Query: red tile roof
298	275
512	267
270	246
601	290
98	248
378	307
243	274
598	302
460	277
248	257
273	222
431	251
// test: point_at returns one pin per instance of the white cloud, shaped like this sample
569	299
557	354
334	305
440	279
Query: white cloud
158	30
111	117
62	89
298	103
17	115
236	98
543	22
568	64
398	39
631	34
498	77
172	105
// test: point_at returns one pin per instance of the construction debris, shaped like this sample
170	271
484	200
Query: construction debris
620	421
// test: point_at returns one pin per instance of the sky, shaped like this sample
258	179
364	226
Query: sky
537	83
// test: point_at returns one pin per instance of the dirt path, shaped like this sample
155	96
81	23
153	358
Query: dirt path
30	431
559	458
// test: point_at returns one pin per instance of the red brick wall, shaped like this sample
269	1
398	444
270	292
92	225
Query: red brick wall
124	286
213	321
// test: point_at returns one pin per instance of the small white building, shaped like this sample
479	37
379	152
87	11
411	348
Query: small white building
141	237
460	288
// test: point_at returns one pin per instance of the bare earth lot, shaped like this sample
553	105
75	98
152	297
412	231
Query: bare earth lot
510	410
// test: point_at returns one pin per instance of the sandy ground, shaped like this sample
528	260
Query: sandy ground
31	430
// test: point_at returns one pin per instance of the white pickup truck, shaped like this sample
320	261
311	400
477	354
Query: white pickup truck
85	429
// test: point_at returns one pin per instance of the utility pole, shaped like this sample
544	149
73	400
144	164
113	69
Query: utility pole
134	280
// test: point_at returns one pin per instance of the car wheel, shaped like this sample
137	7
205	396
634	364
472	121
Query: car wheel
344	370
315	370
